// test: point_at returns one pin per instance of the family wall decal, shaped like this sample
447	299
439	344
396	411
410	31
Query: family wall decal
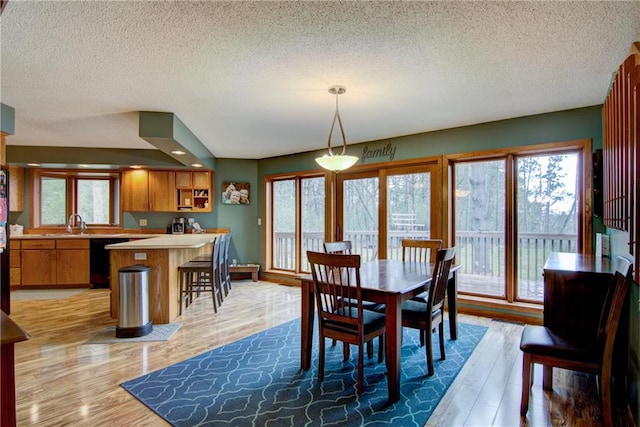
389	151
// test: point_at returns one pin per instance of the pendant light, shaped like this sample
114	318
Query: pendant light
330	161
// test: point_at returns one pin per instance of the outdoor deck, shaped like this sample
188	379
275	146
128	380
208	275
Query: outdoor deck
481	255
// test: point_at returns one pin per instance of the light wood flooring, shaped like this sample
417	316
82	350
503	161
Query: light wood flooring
61	381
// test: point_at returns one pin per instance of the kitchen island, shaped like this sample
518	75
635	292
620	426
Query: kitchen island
163	254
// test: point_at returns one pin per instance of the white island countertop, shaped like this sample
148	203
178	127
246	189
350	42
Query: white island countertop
169	241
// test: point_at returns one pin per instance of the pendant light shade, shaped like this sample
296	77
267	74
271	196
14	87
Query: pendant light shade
337	162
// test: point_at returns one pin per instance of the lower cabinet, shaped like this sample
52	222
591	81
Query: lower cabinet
47	262
14	263
72	262
38	262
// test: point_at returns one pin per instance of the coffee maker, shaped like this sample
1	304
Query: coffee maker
177	226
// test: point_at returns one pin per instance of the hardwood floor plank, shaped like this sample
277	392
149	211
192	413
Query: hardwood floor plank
60	380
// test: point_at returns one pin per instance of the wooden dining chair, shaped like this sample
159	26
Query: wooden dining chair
550	348
420	250
340	247
427	313
344	247
341	316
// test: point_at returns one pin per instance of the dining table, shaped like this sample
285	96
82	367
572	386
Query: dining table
389	282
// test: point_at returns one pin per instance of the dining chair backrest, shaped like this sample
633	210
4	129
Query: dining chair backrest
622	266
420	250
340	247
622	273
336	283
440	278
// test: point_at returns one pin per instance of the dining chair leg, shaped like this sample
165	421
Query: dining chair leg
345	351
321	360
381	348
527	381
360	387
441	337
429	350
369	349
605	396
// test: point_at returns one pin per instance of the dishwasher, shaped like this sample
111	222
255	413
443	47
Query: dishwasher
99	261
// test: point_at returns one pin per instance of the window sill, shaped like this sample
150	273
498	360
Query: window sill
499	309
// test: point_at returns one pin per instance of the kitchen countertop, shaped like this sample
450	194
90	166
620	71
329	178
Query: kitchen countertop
168	241
85	236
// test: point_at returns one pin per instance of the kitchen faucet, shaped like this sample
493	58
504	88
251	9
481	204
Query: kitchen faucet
79	222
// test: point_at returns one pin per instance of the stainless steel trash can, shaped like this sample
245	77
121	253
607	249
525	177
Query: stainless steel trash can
133	302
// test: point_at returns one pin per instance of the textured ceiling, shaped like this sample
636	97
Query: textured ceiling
250	79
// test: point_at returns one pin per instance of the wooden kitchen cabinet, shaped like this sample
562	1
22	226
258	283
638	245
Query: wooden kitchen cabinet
14	262
54	262
197	197
38	262
134	190
16	189
165	191
184	179
147	191
161	198
202	179
72	262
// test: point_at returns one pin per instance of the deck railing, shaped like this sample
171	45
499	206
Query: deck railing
481	254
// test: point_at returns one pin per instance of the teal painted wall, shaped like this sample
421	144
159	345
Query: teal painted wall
241	219
7	119
551	127
582	123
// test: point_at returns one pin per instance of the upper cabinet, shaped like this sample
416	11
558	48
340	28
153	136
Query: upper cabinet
194	191
184	179
16	189
166	191
160	199
134	190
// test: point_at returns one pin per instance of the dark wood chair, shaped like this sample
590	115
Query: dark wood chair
420	250
201	276
340	247
427	313
341	316
540	344
344	247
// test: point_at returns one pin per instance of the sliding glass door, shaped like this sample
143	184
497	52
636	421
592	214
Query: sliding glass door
480	226
511	210
377	209
547	191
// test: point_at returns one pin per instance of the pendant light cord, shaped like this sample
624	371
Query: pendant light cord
336	116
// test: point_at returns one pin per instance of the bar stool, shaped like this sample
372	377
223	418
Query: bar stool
225	273
199	276
223	262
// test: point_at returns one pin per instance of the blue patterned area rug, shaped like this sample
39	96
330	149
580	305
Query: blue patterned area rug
257	381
